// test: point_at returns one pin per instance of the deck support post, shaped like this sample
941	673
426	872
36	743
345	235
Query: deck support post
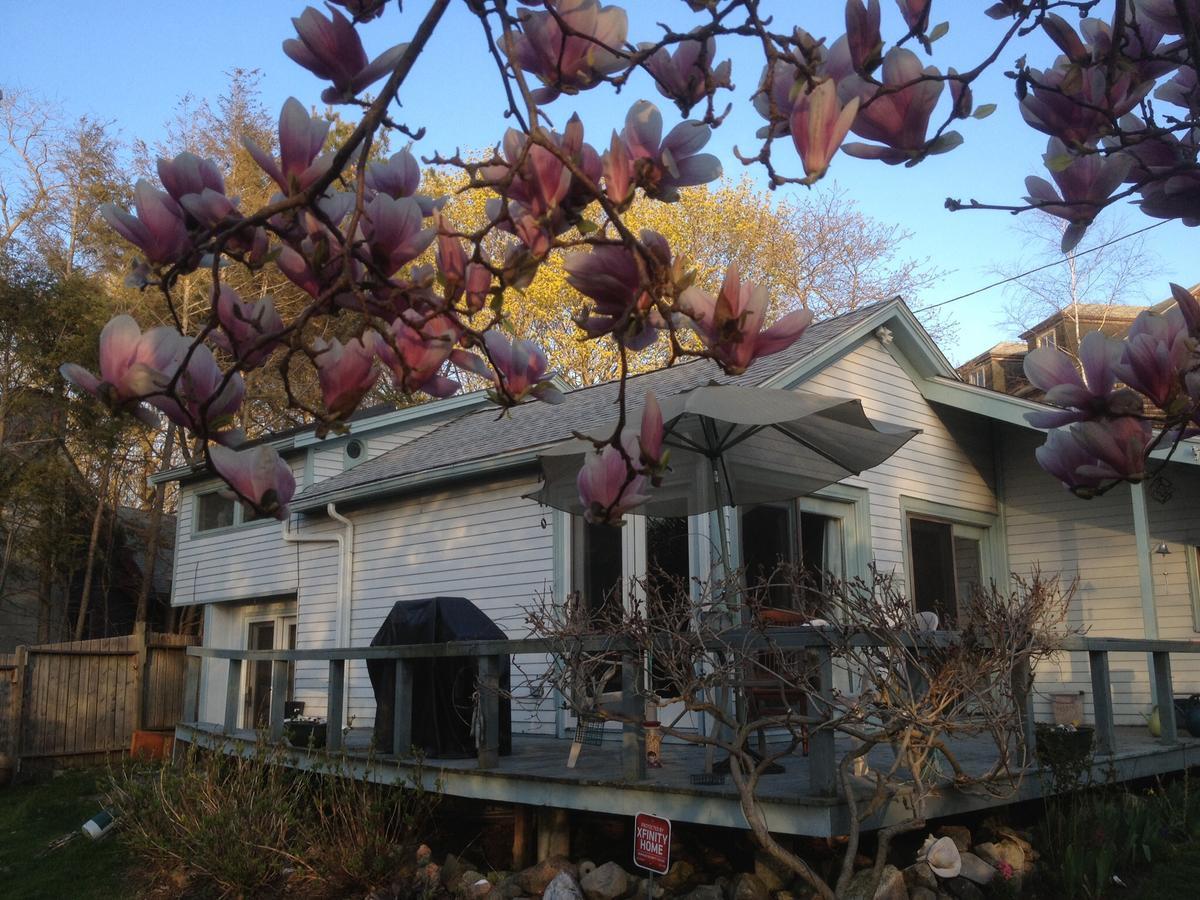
333	705
1022	691
191	690
633	712
1141	536
402	709
233	695
489	707
1102	701
553	832
279	684
1161	666
822	766
523	837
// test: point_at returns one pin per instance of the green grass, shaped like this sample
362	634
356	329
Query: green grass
32	816
1176	875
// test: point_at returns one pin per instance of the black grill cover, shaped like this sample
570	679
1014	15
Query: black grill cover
443	689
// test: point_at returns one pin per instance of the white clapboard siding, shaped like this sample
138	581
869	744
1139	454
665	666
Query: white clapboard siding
481	541
949	462
329	454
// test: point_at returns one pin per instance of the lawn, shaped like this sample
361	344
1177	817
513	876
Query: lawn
32	816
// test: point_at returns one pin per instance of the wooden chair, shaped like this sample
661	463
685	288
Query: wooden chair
765	694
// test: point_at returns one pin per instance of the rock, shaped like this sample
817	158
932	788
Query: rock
745	886
477	889
962	888
508	888
1004	851
773	875
706	892
452	870
960	834
562	887
461	887
536	878
678	877
586	867
920	892
430	874
424	855
606	882
920	875
891	885
637	888
976	870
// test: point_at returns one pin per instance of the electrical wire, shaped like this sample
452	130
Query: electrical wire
1057	262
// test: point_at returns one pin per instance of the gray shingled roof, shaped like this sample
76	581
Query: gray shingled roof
485	433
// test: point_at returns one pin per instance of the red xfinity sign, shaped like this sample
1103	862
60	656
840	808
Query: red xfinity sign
652	843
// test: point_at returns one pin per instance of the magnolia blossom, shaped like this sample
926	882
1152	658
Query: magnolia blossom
187	174
346	372
417	352
518	371
1157	350
1085	396
133	366
1090	455
819	124
688	75
204	398
916	14
258	475
301	138
1086	183
896	115
250	330
650	438
395	232
617	166
862	34
1077	105
664	165
609	485
331	49
157	229
730	325
623	304
573	61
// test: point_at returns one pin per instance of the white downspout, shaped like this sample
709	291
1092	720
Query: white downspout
345	543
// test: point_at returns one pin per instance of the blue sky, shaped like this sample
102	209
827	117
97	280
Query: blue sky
130	61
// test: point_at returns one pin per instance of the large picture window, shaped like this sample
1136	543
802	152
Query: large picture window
787	542
948	567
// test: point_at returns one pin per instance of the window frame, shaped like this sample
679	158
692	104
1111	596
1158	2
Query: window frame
1193	576
280	615
239	515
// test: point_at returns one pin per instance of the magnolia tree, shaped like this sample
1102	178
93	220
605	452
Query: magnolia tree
1118	107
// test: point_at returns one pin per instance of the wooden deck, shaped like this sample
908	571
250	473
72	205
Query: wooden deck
536	774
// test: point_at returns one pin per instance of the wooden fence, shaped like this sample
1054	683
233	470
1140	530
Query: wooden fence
76	700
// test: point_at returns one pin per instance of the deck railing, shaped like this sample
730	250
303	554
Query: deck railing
489	654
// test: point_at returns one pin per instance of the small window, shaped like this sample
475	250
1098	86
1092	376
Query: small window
947	567
214	510
355	452
979	377
1047	340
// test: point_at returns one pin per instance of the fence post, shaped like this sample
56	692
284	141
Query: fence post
1022	684
233	695
1102	701
140	680
402	709
822	766
279	675
18	703
633	711
333	705
1161	664
489	707
191	691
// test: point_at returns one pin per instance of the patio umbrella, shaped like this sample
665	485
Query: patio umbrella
738	446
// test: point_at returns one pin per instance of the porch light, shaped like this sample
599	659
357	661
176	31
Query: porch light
1162	549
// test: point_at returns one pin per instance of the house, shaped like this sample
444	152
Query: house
430	501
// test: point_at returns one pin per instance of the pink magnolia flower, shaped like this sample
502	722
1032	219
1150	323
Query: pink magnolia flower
519	370
1066	459
1082	396
1158	350
915	13
618	172
1086	183
189	174
346	372
204	400
1164	14
133	366
416	354
301	138
258	475
395	232
609	486
157	230
1189	307
650	438
398	177
819	124
568	62
664	165
689	75
862	34
1119	446
362	10
730	325
623	304
250	330
897	115
332	50
1077	104
478	285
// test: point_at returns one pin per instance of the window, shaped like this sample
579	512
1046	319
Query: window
781	536
979	377
598	569
947	567
1047	339
354	452
266	634
215	510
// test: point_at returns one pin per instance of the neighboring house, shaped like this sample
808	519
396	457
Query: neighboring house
429	501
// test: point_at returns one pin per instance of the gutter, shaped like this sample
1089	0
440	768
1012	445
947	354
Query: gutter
345	543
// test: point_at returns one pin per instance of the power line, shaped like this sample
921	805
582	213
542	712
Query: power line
1057	262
